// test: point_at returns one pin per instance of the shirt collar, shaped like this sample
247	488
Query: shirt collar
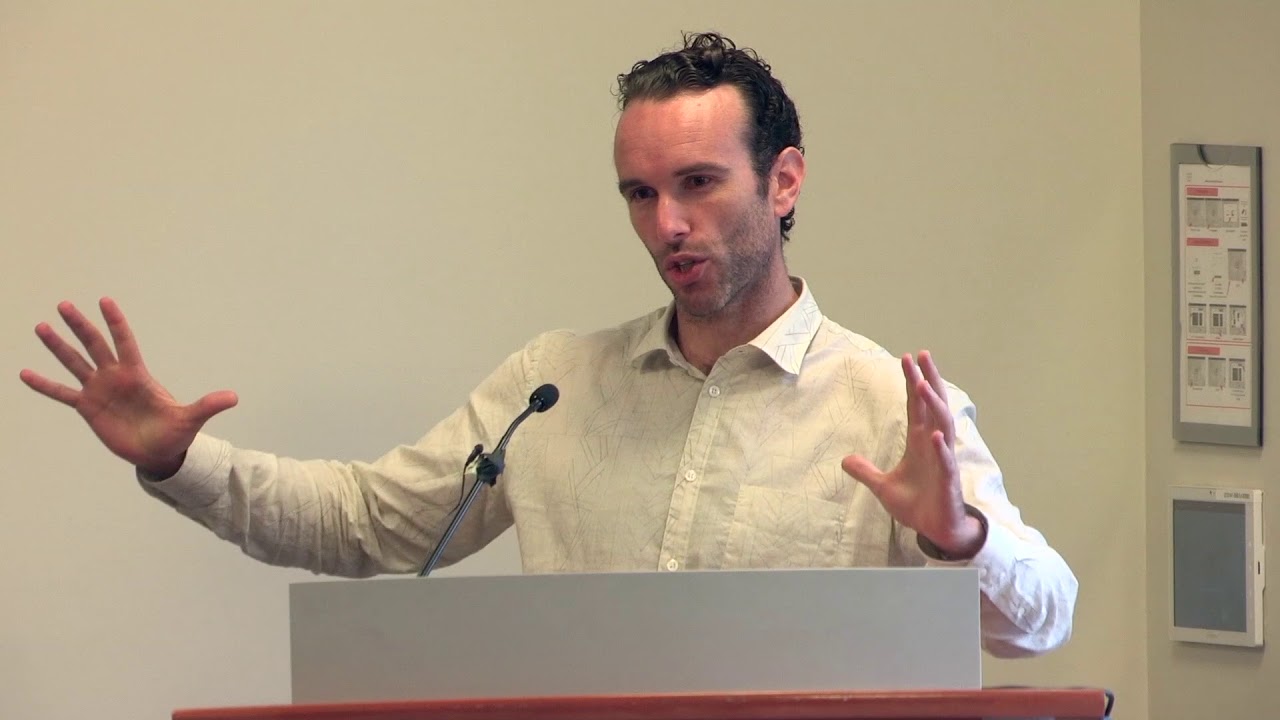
785	341
788	339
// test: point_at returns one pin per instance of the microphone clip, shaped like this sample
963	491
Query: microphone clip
489	466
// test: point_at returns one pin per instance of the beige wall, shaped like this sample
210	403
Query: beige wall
341	211
1208	76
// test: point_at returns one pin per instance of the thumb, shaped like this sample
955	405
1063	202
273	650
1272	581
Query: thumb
865	472
212	404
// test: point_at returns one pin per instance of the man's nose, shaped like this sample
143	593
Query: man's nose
673	221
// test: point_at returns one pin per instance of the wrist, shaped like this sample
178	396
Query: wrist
970	543
162	470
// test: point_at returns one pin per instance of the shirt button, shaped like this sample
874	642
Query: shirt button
690	475
714	391
673	565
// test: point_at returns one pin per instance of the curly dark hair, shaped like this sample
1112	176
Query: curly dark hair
709	60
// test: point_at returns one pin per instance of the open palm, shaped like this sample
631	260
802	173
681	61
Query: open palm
131	413
923	491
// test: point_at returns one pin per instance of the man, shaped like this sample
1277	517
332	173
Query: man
737	427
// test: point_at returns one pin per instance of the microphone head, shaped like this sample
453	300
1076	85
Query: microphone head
544	397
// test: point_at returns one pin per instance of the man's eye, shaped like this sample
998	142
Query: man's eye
697	181
641	193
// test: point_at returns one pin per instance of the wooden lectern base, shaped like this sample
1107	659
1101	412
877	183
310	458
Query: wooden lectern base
1062	704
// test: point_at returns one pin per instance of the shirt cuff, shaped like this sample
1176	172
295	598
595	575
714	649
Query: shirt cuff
995	561
200	481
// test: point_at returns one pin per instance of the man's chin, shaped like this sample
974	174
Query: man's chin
698	307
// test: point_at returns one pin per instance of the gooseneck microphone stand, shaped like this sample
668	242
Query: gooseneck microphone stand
488	467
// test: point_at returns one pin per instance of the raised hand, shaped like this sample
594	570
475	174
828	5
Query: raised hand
923	492
131	413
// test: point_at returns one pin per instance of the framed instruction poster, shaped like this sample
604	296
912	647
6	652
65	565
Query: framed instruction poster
1217	237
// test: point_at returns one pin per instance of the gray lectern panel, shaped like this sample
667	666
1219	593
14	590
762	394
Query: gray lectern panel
625	633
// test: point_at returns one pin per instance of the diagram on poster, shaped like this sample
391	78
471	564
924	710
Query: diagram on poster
1217	294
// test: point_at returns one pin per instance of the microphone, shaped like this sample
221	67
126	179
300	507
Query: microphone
489	466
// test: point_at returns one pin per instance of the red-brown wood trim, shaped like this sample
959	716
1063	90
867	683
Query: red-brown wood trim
1072	704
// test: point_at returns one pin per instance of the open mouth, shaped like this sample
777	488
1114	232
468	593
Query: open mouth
682	262
685	271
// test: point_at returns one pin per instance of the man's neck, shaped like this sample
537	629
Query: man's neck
704	340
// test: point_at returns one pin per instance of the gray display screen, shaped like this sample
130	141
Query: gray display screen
1209	589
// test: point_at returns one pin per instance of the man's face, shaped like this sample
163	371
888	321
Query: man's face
695	200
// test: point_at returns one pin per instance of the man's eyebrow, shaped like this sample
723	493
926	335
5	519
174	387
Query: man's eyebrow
625	185
694	169
701	168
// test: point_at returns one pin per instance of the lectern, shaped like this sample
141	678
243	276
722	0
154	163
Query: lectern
803	644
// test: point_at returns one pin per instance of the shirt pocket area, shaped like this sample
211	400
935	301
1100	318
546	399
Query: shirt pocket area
778	529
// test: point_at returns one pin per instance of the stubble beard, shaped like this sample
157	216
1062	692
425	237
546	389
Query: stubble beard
743	270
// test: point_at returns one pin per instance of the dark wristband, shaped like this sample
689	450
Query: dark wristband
928	548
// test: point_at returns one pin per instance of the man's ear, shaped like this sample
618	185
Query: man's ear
785	179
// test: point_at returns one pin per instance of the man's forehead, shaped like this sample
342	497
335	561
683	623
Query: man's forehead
705	118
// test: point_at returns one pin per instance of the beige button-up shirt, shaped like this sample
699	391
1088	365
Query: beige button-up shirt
646	464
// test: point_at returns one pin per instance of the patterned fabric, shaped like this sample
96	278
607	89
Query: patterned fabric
646	464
